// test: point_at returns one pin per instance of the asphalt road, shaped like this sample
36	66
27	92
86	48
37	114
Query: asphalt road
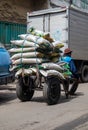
68	114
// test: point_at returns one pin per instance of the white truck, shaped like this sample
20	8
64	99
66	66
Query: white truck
70	26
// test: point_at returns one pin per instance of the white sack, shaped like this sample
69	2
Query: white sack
24	43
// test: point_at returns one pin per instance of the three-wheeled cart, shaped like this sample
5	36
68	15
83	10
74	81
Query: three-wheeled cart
51	87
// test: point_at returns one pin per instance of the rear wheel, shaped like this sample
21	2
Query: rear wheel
52	90
84	74
25	91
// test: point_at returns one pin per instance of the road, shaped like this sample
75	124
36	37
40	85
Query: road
68	114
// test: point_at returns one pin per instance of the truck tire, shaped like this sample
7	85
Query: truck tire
24	92
84	74
73	88
52	90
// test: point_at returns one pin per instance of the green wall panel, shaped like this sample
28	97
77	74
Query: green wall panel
10	31
81	4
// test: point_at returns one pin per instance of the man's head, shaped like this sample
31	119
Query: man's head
67	51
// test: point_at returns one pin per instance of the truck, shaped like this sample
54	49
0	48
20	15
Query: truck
69	25
6	76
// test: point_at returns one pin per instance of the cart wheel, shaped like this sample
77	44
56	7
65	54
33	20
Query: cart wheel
25	91
73	88
52	90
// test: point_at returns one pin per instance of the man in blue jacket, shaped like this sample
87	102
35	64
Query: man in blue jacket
67	58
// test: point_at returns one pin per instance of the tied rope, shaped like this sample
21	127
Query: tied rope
37	66
22	54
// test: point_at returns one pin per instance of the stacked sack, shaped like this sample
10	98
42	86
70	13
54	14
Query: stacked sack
37	52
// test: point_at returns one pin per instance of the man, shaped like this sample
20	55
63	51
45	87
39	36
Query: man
67	58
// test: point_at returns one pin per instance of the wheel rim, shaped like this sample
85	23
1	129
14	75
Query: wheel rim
26	91
86	73
53	91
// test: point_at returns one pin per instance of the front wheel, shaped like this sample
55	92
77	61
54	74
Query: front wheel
52	90
25	91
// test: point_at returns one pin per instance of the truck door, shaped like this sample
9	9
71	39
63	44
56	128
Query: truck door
36	21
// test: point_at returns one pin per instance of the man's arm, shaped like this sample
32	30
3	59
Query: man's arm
73	67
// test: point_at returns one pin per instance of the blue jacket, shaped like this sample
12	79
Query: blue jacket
70	61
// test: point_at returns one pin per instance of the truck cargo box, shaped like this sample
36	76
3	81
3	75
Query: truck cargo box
69	25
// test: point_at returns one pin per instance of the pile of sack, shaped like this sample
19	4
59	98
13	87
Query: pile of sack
37	51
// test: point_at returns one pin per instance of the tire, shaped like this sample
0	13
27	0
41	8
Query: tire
73	88
24	92
84	74
51	91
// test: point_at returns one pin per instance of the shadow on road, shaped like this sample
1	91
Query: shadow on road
7	95
71	97
38	99
77	124
62	99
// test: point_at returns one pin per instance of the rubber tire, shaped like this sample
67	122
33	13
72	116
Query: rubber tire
50	96
73	88
84	74
23	92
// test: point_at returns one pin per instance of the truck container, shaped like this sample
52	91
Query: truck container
70	26
9	31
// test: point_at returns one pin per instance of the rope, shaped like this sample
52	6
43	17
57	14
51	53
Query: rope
37	66
22	54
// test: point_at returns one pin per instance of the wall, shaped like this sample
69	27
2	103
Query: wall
16	10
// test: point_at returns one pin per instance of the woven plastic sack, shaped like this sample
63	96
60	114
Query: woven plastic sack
24	71
29	37
57	44
24	43
27	55
52	66
52	73
29	61
18	50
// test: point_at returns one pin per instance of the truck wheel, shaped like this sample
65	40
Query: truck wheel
73	88
84	74
24	92
51	91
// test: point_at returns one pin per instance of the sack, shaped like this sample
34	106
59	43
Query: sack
47	37
57	44
55	73
24	43
27	55
29	37
19	50
29	61
52	66
52	73
36	32
54	59
24	71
